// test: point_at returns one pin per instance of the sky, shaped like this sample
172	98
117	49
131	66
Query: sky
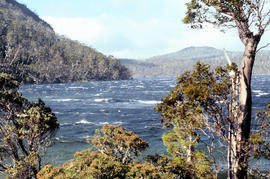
136	29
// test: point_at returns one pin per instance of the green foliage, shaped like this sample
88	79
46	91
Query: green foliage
26	129
144	170
86	164
117	142
116	151
32	52
202	110
259	148
196	92
259	138
188	109
113	156
218	13
251	19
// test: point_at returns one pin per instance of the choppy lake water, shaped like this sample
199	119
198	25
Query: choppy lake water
83	107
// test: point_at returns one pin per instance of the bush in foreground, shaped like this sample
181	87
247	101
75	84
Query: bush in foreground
26	129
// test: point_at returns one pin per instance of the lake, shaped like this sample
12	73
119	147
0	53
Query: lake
83	107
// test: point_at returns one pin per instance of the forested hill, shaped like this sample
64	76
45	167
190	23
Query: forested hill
173	64
33	53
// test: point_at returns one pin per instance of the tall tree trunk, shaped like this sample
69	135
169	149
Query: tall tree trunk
233	116
245	105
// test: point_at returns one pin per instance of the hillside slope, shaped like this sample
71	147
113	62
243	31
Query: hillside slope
33	53
173	64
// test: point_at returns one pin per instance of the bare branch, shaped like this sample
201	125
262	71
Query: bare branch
2	168
263	47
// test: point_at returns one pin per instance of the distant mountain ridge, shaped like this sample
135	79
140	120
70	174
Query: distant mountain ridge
31	51
190	53
173	64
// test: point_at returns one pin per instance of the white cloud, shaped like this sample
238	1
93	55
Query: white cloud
88	30
134	28
133	38
121	38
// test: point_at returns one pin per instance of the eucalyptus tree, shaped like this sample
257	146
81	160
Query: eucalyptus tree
201	113
251	18
198	106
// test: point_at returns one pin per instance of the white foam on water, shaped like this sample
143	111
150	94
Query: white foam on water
103	123
99	94
60	139
77	87
139	86
118	123
102	100
148	102
124	86
257	91
260	93
148	127
64	100
65	124
84	122
86	137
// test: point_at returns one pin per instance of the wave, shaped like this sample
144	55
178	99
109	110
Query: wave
103	100
64	100
83	121
111	100
260	93
257	91
118	123
85	137
66	124
124	86
63	140
150	102
103	123
98	94
78	87
107	100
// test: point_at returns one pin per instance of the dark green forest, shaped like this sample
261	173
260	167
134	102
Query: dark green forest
31	51
174	64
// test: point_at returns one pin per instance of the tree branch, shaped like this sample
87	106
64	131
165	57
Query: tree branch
262	47
2	168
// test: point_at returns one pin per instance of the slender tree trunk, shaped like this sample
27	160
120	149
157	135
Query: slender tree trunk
231	152
233	116
190	151
241	142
